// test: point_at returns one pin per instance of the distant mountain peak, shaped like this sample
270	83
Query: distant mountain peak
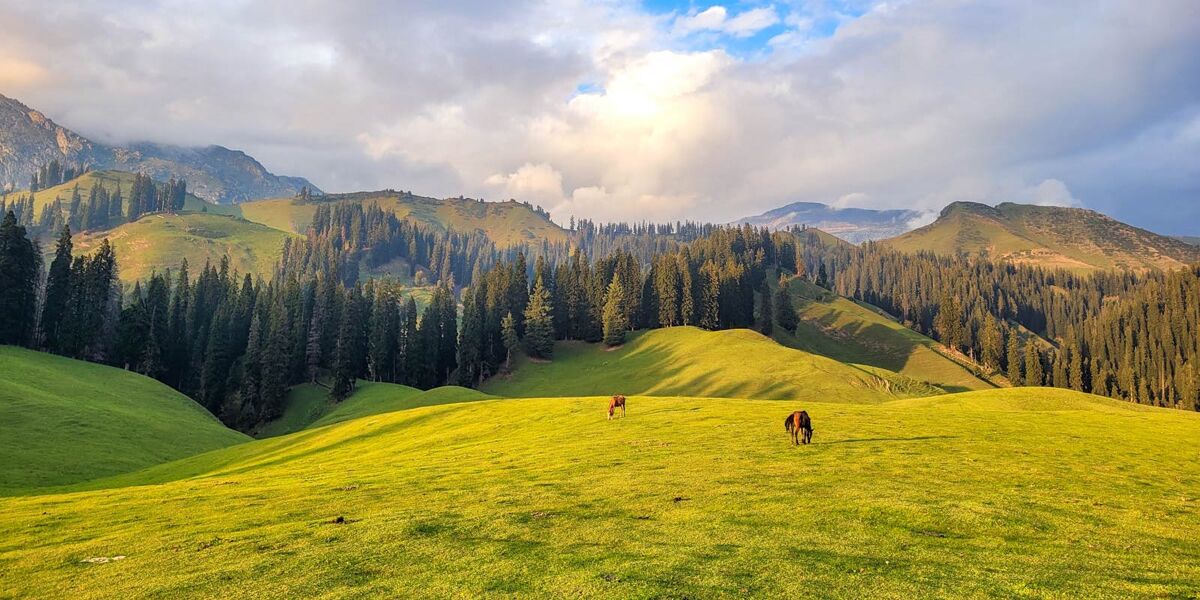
854	225
30	139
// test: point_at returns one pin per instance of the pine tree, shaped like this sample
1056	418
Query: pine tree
508	331
539	325
252	369
273	382
785	313
1034	373
58	291
18	280
615	322
347	355
766	315
1014	359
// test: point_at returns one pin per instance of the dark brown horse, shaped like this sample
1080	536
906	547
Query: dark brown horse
614	403
800	426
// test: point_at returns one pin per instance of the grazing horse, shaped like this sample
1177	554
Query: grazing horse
800	426
613	403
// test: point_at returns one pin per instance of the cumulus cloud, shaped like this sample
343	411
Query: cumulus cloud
716	18
600	109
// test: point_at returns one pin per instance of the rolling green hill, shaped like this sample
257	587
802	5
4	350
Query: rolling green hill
65	421
1070	238
506	223
686	361
850	332
161	241
309	405
1021	492
111	181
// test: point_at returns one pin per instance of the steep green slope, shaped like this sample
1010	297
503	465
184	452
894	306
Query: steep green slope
686	361
1049	236
160	241
506	223
847	331
1009	493
64	421
112	181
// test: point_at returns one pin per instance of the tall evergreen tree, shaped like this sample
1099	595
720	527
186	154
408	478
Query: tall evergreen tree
615	321
785	313
539	325
19	265
766	315
58	291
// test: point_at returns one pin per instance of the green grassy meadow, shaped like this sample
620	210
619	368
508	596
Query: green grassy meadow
160	241
1013	493
66	421
736	363
526	489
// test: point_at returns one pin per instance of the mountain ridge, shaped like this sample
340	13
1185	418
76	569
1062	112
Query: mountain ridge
29	139
855	225
1077	239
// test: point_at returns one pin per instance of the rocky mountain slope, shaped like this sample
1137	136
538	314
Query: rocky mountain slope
29	139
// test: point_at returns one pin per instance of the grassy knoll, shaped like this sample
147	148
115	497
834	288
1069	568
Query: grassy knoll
689	361
64	421
506	223
160	241
309	405
378	398
1013	493
847	331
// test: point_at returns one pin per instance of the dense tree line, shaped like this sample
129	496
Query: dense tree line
236	343
53	173
100	209
1126	335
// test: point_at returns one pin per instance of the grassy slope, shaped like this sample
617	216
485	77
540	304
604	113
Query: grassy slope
158	242
309	405
1016	492
112	180
505	223
1069	238
692	362
849	332
64	421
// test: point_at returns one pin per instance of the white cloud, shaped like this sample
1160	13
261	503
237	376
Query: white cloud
716	18
1050	192
913	105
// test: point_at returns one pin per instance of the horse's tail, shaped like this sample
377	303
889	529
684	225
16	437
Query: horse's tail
787	423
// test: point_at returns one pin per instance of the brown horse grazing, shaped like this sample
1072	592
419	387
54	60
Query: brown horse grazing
613	403
800	426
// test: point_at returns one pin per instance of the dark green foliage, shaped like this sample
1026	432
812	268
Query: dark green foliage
58	292
616	323
539	324
785	312
766	314
19	265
